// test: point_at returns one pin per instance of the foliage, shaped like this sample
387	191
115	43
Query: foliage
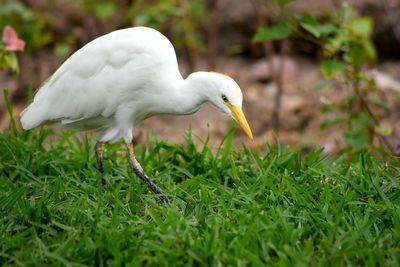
11	44
8	60
274	33
101	9
184	18
29	25
232	207
346	42
347	47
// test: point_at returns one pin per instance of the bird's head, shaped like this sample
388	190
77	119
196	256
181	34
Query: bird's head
228	97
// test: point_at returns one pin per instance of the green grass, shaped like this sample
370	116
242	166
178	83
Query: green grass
229	208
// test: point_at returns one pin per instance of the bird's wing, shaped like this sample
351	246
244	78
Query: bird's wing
96	79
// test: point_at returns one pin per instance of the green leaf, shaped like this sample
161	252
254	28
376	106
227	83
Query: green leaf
362	121
326	29
324	85
359	135
327	124
320	30
311	25
309	19
62	50
334	45
369	49
283	3
311	29
274	33
356	139
198	10
331	68
16	9
11	62
361	27
361	52
104	10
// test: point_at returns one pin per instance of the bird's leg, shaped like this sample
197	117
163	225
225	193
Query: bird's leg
99	149
140	173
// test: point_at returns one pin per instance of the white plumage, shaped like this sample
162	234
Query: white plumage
118	80
121	78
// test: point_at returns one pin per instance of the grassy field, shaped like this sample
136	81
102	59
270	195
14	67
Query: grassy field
229	207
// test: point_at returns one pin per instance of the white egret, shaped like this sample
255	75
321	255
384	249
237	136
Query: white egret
119	79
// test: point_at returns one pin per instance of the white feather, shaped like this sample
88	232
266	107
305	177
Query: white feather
119	79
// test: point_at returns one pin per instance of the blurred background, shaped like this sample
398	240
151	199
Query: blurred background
313	73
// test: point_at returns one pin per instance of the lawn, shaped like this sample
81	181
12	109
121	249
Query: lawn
229	206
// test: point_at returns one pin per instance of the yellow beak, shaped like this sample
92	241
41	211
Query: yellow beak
238	115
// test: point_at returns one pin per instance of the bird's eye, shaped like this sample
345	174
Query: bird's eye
224	98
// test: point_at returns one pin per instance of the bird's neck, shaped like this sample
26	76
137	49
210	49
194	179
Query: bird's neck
193	91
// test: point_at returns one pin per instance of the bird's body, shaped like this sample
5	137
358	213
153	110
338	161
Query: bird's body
99	85
121	78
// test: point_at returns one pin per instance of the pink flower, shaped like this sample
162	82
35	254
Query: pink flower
11	40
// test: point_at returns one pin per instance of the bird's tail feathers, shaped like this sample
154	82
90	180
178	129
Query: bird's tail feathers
31	117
